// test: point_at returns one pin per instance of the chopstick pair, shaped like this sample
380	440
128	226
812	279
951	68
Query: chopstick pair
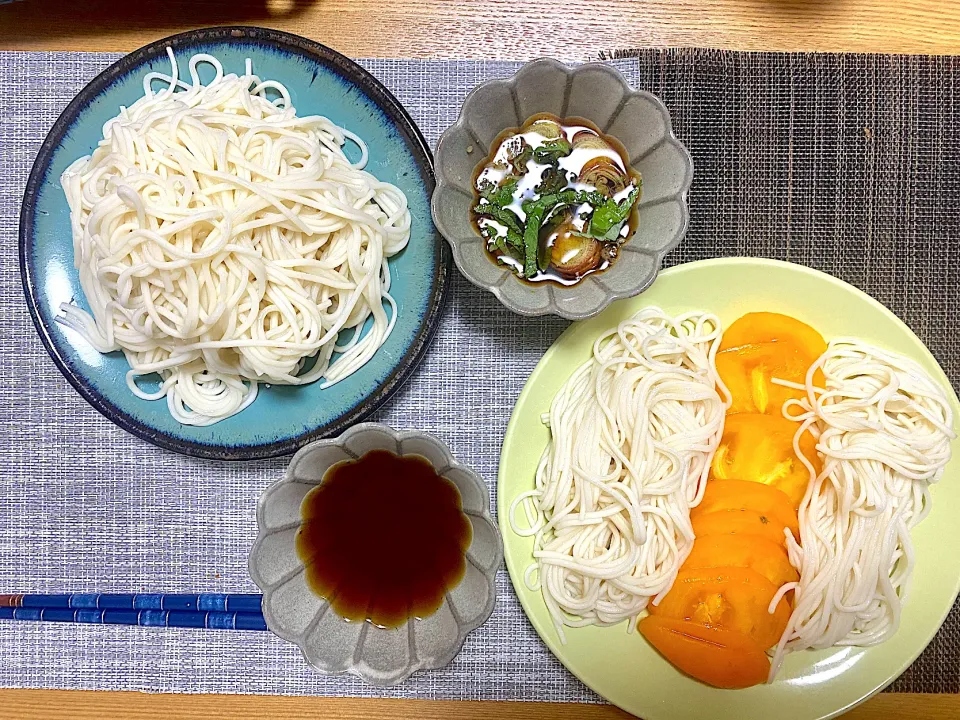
216	611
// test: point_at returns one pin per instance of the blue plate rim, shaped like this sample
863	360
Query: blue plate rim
352	73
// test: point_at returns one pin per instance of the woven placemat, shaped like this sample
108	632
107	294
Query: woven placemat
845	163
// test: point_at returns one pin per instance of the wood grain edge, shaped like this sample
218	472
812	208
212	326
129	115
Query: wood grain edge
83	704
501	29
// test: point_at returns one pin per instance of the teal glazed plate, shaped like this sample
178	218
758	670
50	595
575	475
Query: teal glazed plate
282	418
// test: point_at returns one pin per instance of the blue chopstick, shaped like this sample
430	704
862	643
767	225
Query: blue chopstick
220	611
205	602
143	618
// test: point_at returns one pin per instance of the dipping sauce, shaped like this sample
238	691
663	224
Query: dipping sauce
384	538
555	199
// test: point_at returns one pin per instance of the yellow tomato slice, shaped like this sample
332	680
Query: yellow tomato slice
747	551
759	448
719	657
748	372
759	347
761	327
745	495
730	598
749	523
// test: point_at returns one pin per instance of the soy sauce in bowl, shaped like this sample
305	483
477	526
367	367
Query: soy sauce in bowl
384	538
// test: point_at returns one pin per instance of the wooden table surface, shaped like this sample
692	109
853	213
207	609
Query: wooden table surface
501	28
470	29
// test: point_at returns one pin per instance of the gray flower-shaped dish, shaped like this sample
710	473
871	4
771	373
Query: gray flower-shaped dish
600	94
331	644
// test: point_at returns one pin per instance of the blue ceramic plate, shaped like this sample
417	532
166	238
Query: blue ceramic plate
281	419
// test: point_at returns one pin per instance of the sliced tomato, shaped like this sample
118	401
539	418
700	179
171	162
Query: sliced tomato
759	448
739	522
761	347
762	327
748	372
745	495
731	598
719	657
748	551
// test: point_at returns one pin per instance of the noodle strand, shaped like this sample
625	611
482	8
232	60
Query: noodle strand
884	429
632	434
223	241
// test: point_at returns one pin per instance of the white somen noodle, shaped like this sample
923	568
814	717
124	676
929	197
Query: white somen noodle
222	241
884	429
632	434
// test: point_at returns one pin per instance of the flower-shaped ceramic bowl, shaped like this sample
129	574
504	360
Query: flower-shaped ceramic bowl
331	644
600	94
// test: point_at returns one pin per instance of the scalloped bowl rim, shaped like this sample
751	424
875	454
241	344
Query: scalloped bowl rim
463	628
553	307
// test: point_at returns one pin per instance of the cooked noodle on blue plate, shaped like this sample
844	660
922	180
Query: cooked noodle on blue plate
223	241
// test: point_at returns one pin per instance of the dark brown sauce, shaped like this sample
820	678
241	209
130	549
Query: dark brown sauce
493	170
384	538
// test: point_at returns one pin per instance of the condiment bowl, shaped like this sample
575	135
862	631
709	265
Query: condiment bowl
600	94
294	612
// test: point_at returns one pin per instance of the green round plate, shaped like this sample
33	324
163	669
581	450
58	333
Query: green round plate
623	667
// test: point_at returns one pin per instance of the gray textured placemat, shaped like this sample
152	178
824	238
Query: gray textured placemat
848	164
